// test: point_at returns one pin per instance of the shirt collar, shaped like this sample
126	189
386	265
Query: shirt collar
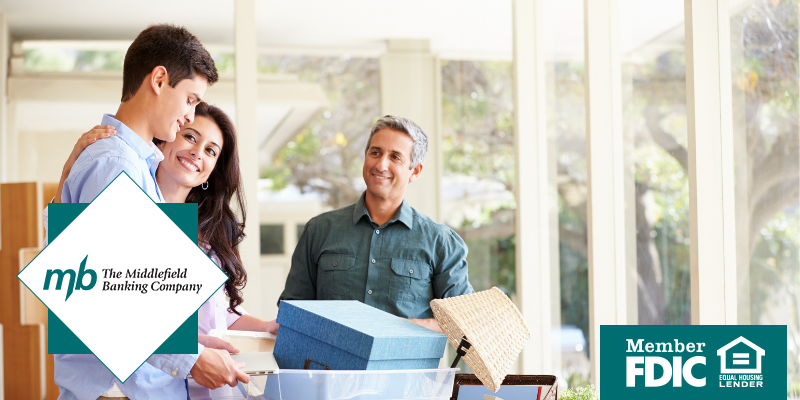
156	151
146	150
404	214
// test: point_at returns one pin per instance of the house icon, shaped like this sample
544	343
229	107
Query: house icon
740	356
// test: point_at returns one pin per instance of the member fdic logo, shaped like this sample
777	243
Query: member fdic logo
661	362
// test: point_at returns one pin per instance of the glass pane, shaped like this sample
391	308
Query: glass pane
478	177
566	128
767	147
271	239
326	158
654	112
64	60
567	123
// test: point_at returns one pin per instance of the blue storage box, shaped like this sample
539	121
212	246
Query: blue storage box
350	335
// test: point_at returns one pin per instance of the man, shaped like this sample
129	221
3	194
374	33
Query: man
381	251
165	74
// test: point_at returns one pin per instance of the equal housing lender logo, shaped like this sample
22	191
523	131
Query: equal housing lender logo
693	361
122	278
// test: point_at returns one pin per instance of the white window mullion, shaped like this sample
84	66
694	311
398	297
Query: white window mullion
246	95
410	86
711	168
534	187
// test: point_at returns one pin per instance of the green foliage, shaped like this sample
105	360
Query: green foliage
576	379
64	60
667	185
764	40
49	60
225	63
303	148
774	279
793	390
91	60
492	263
478	121
477	142
327	157
581	393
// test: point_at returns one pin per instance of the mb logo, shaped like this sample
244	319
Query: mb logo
73	283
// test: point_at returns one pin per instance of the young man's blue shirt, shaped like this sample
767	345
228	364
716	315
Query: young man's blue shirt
83	376
101	162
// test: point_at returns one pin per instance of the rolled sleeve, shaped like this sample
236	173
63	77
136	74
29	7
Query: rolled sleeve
451	276
301	282
175	365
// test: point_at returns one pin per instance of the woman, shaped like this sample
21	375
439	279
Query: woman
202	166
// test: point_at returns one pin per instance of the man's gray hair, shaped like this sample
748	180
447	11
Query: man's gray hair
407	126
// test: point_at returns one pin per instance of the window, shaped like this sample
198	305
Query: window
566	128
58	59
764	66
566	123
478	178
655	125
271	239
326	158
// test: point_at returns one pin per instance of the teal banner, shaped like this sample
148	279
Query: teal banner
693	362
61	340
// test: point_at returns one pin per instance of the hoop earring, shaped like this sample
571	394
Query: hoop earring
204	186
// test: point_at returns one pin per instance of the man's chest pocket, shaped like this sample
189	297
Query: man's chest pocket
410	280
332	276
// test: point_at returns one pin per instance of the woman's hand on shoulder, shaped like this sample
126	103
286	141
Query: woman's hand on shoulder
93	135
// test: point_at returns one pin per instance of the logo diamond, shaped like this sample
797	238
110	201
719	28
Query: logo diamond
150	277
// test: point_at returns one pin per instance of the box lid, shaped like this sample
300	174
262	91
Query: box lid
362	330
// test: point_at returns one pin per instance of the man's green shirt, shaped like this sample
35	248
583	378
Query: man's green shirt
398	267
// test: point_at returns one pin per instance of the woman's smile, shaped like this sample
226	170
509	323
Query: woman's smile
189	165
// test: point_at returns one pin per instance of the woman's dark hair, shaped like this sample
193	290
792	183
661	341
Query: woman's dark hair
219	226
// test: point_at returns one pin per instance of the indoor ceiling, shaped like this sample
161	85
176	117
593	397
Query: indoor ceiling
456	28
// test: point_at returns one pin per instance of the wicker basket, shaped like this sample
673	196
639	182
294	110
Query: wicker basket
492	324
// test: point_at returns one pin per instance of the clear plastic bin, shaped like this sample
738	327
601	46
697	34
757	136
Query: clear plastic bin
419	384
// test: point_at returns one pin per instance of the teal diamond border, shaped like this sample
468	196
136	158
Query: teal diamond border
61	340
185	217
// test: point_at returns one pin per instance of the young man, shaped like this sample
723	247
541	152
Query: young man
165	75
381	251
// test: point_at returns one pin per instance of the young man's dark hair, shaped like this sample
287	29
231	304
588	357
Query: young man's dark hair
172	47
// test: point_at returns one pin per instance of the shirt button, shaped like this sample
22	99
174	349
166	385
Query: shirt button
411	271
335	264
174	372
373	261
369	292
378	231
